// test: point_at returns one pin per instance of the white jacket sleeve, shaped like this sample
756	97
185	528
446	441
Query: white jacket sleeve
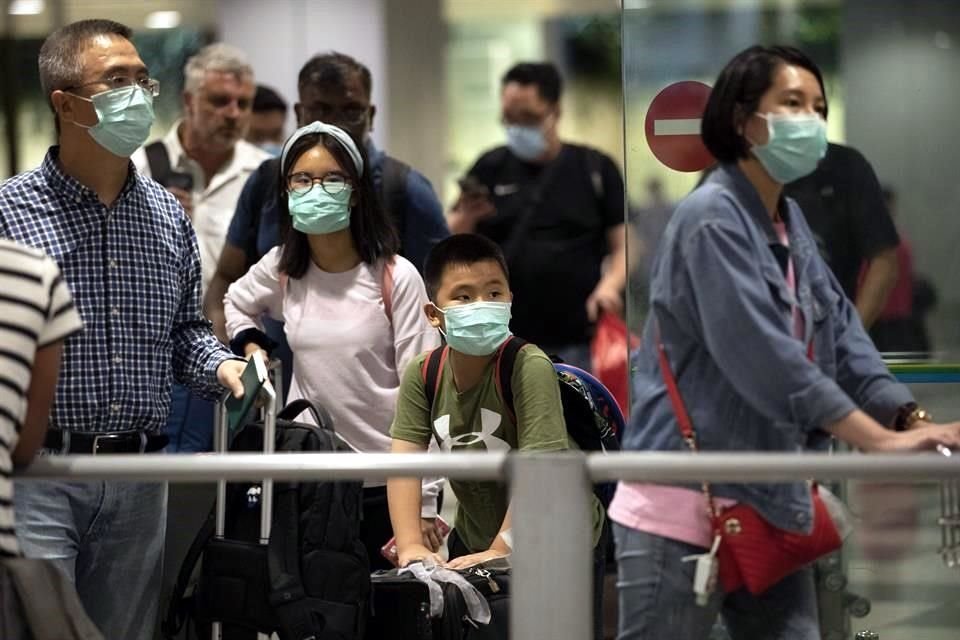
412	335
259	291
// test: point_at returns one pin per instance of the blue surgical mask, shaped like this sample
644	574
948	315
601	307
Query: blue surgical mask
317	212
527	143
125	116
795	146
478	328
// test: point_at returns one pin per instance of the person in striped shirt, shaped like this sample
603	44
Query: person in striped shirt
36	315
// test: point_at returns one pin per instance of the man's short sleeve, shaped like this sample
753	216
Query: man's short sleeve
62	318
411	422
244	226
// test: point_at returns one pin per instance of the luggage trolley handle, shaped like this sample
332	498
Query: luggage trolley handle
949	518
269	395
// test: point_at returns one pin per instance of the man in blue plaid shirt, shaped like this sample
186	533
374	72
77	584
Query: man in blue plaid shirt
129	255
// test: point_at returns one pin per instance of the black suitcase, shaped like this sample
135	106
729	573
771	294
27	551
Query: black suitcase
400	608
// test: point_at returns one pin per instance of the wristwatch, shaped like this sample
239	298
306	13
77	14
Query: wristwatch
908	414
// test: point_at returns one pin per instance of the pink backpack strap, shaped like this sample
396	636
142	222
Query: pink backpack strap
283	283
386	287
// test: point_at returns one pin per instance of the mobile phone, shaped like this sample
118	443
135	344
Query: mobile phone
179	180
389	550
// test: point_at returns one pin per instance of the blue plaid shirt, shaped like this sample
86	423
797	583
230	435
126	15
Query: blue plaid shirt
134	271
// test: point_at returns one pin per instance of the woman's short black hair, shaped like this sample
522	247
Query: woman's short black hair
374	234
737	93
459	249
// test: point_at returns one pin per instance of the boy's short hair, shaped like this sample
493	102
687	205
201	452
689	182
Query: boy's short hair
460	248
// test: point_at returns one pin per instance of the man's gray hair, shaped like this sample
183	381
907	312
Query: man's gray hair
61	59
215	57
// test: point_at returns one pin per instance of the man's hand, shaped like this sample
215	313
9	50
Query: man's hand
467	211
474	558
432	537
185	198
229	373
606	297
417	553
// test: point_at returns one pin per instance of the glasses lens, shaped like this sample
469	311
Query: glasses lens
334	184
300	183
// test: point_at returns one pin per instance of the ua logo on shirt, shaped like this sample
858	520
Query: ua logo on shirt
489	423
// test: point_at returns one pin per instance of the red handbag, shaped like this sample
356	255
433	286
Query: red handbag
753	553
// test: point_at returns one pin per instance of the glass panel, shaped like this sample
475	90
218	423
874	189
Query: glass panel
889	70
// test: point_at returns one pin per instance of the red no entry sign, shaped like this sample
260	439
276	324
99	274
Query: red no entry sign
673	126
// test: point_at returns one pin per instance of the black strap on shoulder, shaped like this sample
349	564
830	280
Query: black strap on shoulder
594	160
505	361
178	609
393	192
158	160
431	374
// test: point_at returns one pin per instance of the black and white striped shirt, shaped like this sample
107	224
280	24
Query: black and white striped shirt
36	310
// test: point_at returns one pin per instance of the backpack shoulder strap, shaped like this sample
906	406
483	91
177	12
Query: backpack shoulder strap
178	609
394	191
595	169
503	373
386	287
431	370
158	159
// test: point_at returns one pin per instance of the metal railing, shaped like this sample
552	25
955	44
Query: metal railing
552	565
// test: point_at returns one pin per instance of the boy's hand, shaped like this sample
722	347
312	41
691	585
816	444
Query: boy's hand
432	537
474	558
417	553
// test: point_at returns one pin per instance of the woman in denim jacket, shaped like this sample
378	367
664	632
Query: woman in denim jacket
768	353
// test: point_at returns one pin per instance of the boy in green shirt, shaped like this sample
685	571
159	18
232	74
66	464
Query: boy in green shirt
467	282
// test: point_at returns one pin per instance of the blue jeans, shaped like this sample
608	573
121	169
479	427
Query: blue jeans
108	539
190	422
656	598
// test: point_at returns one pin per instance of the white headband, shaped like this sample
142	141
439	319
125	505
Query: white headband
321	127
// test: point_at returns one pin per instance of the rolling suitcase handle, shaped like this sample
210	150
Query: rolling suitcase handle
221	443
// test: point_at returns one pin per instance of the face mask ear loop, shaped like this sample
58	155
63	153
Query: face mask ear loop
443	313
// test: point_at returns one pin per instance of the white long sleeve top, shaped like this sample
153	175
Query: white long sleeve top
347	354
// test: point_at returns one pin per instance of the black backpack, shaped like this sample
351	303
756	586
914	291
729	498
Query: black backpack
313	578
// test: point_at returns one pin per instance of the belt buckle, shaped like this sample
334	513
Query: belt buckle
96	442
114	436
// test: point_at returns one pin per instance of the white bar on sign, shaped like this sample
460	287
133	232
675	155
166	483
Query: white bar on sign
677	127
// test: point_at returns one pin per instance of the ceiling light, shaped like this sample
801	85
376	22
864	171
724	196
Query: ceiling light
163	20
26	7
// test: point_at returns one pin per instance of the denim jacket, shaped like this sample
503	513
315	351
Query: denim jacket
724	310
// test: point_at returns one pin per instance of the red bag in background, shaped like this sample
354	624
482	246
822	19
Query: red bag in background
610	356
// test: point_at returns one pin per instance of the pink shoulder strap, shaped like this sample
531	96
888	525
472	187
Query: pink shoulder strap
386	288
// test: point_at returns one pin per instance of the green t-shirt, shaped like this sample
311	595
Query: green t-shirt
477	419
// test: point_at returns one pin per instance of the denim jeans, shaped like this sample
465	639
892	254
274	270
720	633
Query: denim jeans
107	537
655	590
190	422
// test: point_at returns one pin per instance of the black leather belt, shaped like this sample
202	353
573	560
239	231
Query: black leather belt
65	442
